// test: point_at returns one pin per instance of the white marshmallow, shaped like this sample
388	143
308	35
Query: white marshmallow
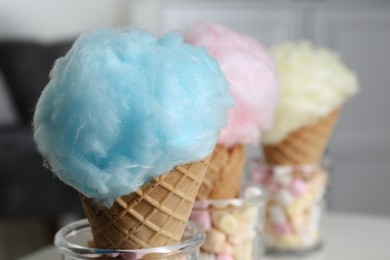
244	232
284	197
252	192
220	204
225	222
282	175
236	203
244	251
214	241
206	256
250	215
277	214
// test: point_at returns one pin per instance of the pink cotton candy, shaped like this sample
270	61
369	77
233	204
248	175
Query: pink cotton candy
252	76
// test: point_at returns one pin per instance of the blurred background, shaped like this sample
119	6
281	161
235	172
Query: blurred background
34	204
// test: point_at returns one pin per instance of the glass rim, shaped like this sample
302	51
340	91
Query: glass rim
260	162
65	246
233	202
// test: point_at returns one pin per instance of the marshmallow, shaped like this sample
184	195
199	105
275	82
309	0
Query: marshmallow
252	192
296	209
241	237
225	222
206	256
214	241
282	170
135	256
284	197
258	175
299	221
282	175
298	187
201	218
227	249
289	241
271	186
244	251
224	257
249	215
307	171
282	229
199	204
236	203
308	199
221	204
277	214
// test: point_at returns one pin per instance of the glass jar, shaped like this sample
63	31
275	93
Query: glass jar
296	206
232	226
72	243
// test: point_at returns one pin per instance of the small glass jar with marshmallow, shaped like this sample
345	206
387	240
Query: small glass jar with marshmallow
294	213
232	226
74	242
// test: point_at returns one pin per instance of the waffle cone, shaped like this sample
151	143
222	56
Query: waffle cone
155	215
224	174
304	146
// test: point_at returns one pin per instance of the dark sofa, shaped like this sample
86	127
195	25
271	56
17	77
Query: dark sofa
27	188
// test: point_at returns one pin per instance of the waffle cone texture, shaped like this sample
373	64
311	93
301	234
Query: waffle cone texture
303	146
155	215
224	174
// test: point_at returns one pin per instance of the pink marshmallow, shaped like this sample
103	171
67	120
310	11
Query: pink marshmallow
283	229
252	76
131	256
201	204
258	172
270	186
201	218
224	257
298	187
258	176
113	255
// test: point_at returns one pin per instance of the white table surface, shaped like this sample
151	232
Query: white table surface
355	237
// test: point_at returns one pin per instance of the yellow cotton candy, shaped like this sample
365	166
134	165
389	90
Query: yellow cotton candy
313	82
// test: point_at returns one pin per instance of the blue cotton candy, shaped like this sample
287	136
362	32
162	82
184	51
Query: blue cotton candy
124	106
